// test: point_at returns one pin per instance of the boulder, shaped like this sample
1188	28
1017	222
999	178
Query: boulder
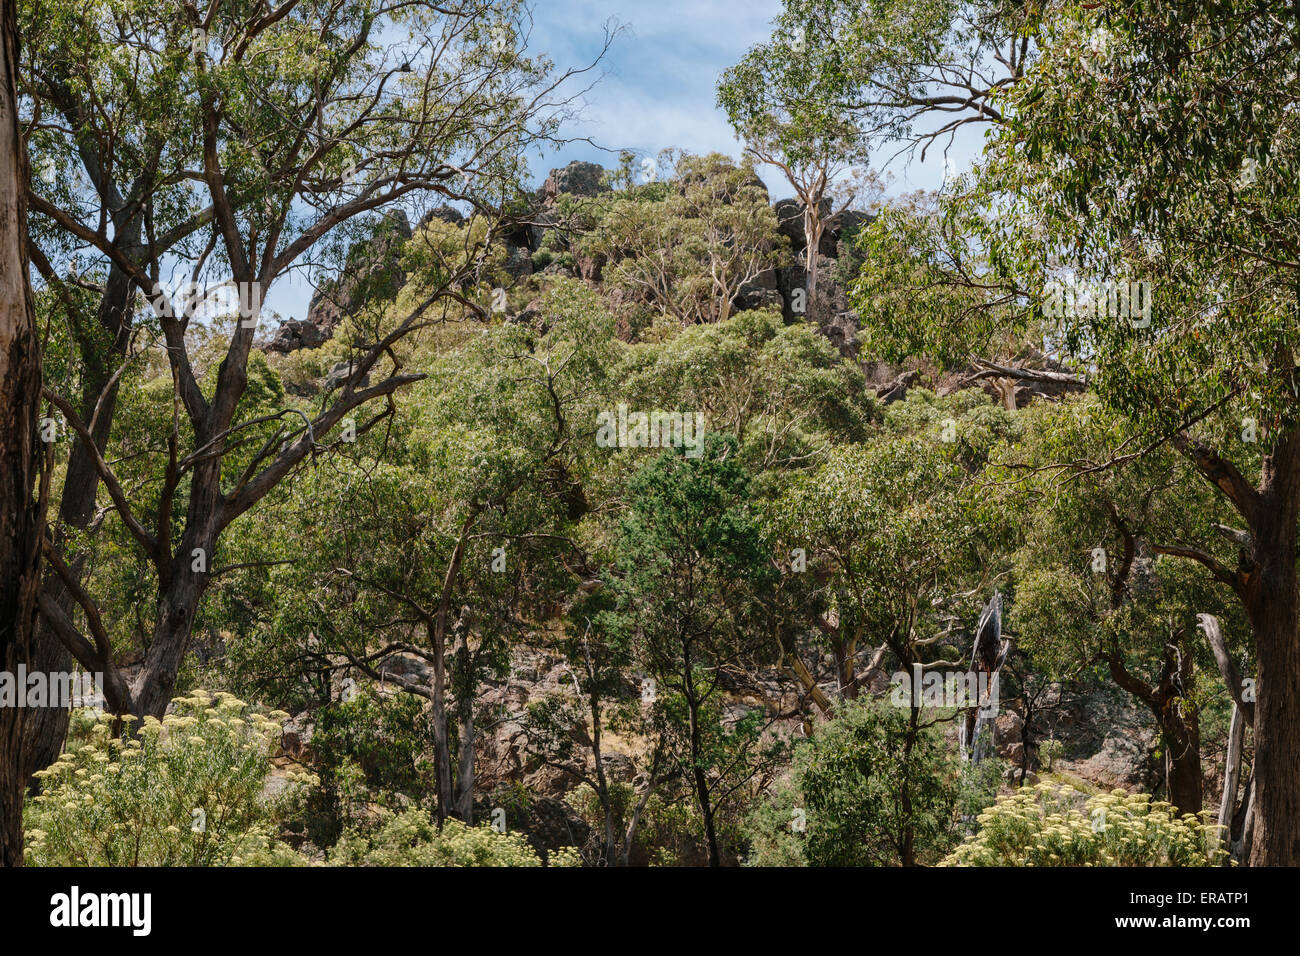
373	272
577	178
448	214
761	292
295	736
297	334
519	262
789	223
590	268
339	374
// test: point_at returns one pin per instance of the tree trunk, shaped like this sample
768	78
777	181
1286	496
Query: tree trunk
20	387
48	727
1231	773
152	689
1271	605
907	845
813	228
699	778
464	801
1277	720
1183	762
441	738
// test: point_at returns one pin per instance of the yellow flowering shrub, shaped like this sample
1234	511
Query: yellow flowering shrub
411	839
1056	825
184	791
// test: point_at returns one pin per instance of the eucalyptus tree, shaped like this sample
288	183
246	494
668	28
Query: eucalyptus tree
787	102
21	518
688	245
445	537
1147	153
692	573
1099	581
280	150
893	538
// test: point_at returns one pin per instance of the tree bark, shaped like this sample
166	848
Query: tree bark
1271	607
49	726
20	381
698	777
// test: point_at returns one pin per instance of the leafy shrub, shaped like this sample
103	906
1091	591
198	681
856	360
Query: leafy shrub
184	791
842	805
385	736
1051	825
410	838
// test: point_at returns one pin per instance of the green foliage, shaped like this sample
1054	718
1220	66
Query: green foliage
1051	825
184	791
685	256
850	789
385	738
411	839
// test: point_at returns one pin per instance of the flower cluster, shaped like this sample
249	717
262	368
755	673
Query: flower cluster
185	790
1056	825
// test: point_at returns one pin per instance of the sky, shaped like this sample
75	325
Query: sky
655	88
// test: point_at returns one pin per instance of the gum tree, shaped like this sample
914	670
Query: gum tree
282	150
1209	214
1145	144
692	569
788	106
20	373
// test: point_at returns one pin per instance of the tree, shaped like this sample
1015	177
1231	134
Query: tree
439	539
693	565
890	531
21	520
1198	233
785	104
598	646
343	130
1208	365
877	790
1099	583
687	246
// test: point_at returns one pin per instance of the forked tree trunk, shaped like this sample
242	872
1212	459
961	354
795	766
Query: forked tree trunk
20	381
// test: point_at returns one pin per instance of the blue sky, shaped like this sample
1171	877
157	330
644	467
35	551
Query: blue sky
656	88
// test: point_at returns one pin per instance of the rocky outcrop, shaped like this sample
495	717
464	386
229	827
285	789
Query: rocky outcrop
577	179
372	273
297	334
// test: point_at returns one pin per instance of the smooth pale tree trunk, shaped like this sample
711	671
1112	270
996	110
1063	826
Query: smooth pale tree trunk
813	228
1231	773
20	384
